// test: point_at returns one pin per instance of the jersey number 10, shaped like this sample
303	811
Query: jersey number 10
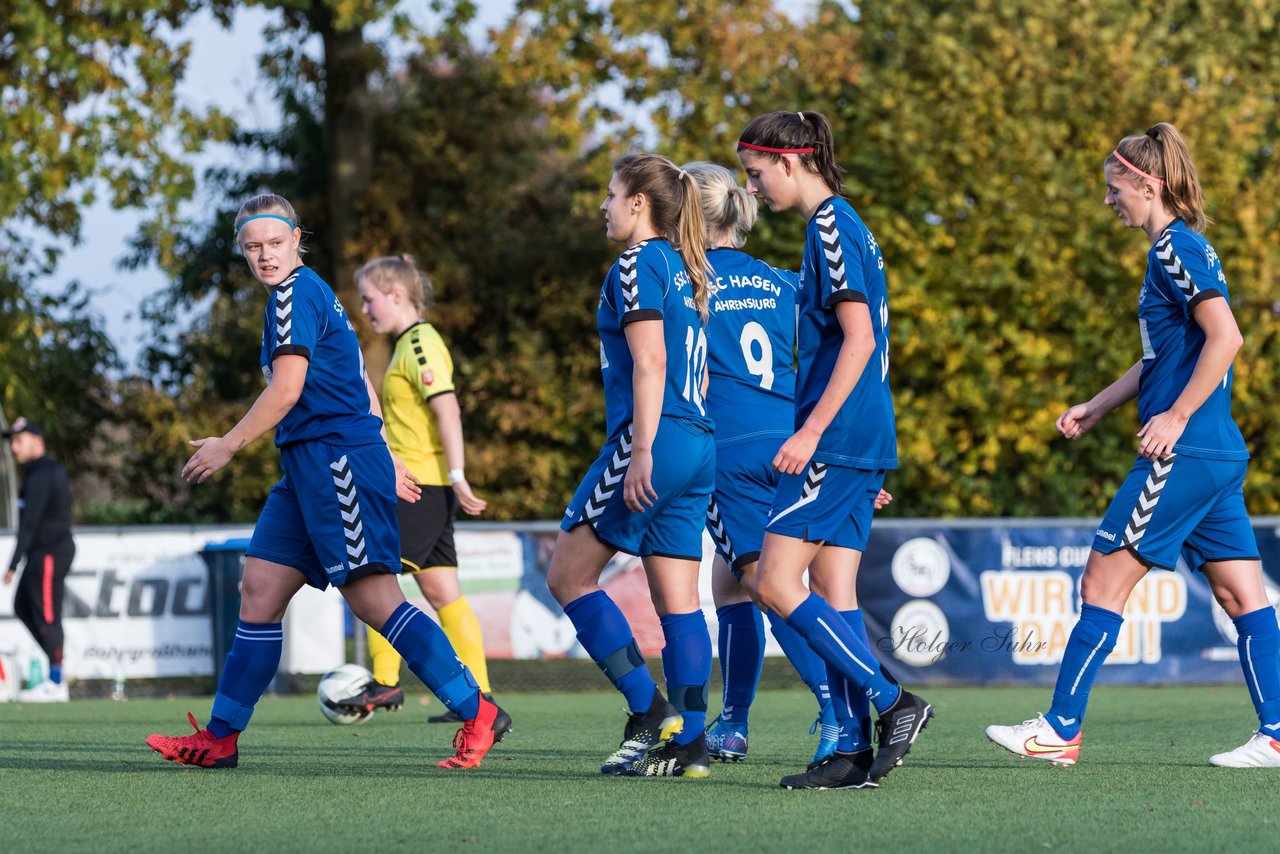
695	351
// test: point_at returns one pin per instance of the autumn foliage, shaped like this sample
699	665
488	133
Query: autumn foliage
973	135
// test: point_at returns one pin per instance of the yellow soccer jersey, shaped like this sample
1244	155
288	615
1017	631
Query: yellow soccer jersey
420	369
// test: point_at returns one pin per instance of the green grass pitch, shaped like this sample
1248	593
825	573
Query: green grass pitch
78	777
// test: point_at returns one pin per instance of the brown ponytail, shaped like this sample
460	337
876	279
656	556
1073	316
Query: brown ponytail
675	209
789	132
1162	154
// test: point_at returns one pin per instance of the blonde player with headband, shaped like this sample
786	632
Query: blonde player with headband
331	517
1184	495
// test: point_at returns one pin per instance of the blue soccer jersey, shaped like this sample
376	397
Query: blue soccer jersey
842	261
649	282
751	337
1182	271
304	318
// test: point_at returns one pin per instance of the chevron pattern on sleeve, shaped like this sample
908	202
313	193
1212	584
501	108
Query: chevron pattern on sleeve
349	505
829	234
1173	266
627	276
610	478
284	311
715	524
1146	506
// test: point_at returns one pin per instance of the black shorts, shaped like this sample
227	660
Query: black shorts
426	530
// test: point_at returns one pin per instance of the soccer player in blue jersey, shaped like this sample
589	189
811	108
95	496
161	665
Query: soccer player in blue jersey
843	442
751	336
332	518
1184	493
647	492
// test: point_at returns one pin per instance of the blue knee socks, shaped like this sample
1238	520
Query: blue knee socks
741	645
606	636
249	668
426	649
1091	641
851	707
1259	647
686	662
808	664
836	642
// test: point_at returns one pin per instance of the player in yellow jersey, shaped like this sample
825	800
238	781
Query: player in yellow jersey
424	428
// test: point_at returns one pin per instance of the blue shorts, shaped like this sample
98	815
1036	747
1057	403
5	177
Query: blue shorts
746	483
827	504
684	471
332	516
1180	504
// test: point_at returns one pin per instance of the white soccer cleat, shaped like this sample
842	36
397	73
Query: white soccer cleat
45	692
1036	739
1260	751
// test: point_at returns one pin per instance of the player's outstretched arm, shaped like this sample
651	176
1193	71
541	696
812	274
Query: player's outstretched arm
288	375
1079	419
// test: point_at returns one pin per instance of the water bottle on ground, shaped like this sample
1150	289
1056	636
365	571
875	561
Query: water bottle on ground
117	686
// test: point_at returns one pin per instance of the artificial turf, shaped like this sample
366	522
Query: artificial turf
78	777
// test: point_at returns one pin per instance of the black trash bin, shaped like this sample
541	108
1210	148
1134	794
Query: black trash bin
225	561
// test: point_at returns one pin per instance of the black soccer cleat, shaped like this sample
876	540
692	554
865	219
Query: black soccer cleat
644	730
896	731
375	696
668	759
837	771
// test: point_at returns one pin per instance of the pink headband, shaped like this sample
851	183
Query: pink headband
767	150
1118	156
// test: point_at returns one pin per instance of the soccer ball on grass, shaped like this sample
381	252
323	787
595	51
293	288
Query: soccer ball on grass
340	683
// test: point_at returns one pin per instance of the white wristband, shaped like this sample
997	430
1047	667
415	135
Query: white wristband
456	476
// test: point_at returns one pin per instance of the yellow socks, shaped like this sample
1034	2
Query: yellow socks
386	661
459	621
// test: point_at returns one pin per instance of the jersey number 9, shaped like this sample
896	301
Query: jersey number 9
753	333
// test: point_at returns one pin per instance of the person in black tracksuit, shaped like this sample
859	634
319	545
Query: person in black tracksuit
44	540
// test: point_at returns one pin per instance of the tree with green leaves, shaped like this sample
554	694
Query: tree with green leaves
471	175
90	105
89	108
974	139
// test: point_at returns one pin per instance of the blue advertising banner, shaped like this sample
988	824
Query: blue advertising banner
991	601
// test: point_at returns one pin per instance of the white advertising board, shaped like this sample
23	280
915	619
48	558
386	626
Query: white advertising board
138	605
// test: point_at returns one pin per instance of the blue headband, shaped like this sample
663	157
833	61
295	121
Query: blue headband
264	216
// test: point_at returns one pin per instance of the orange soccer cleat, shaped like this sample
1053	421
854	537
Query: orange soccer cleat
478	735
201	748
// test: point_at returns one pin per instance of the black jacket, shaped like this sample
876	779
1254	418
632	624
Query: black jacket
44	509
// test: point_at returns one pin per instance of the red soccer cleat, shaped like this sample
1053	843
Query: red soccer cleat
477	735
201	749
